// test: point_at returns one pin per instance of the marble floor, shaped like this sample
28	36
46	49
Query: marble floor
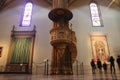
60	77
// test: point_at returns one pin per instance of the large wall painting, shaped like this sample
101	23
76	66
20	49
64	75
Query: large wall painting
100	48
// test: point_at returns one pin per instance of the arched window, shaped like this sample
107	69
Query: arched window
95	15
26	17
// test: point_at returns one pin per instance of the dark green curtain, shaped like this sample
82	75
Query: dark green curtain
20	51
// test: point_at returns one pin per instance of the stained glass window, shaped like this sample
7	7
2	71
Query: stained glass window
95	14
26	18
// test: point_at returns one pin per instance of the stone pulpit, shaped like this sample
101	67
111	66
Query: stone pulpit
63	39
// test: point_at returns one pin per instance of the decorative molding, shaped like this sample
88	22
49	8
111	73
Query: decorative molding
17	68
23	33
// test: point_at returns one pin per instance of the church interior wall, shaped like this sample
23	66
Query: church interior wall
83	27
81	24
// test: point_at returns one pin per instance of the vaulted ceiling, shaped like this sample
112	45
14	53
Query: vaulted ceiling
5	3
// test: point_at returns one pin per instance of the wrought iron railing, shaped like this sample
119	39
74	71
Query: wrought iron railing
43	68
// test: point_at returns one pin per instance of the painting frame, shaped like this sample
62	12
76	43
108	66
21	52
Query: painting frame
1	50
100	47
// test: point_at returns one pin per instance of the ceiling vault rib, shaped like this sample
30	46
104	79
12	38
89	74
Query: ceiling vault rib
116	2
71	2
4	3
111	3
49	2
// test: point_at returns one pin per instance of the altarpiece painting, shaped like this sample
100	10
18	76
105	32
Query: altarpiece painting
100	48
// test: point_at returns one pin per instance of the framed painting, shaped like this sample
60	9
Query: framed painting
100	48
1	48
